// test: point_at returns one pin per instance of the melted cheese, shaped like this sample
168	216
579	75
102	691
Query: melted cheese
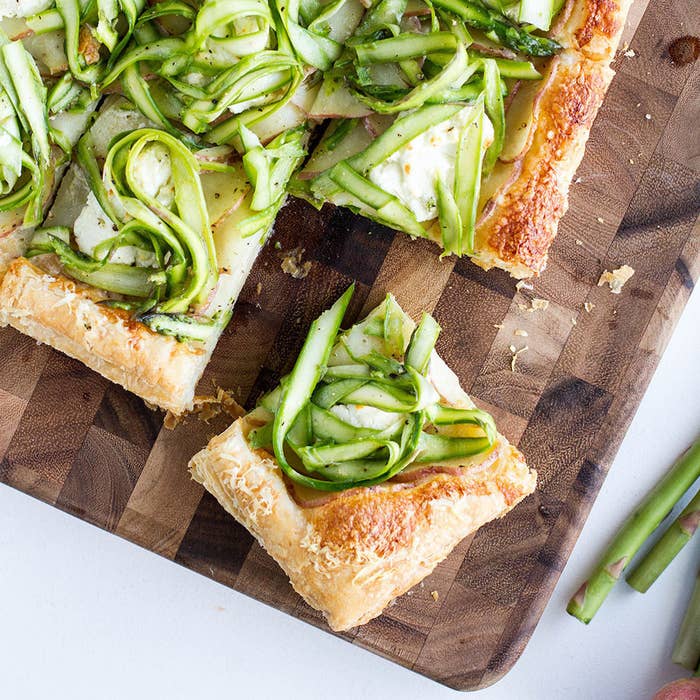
411	173
93	227
23	8
153	173
364	416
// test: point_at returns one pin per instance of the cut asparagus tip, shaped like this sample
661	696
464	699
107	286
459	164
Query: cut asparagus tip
576	604
617	567
690	523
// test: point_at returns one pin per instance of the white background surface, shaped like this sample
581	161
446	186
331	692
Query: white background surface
84	614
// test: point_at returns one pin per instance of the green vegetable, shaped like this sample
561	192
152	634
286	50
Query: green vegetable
640	525
178	233
232	67
330	452
116	21
468	177
112	277
25	139
307	371
478	15
538	12
664	551
686	651
184	327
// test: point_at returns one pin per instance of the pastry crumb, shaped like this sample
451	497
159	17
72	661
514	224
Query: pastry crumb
258	288
616	279
208	407
536	304
519	331
516	354
292	264
629	53
435	595
588	306
498	325
574	322
647	116
579	241
600	220
522	284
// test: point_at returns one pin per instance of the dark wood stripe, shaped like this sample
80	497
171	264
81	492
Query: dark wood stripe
354	246
23	361
126	416
102	478
215	544
53	427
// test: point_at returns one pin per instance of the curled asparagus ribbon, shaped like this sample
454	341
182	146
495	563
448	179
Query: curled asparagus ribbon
368	366
172	225
25	138
230	67
95	33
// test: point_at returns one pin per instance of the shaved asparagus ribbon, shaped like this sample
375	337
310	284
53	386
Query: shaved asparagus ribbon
317	448
25	136
423	77
230	68
178	235
115	22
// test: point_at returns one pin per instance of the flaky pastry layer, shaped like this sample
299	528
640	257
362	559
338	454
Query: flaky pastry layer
520	220
68	316
352	554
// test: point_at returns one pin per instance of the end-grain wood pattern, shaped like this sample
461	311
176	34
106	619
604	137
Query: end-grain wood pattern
69	437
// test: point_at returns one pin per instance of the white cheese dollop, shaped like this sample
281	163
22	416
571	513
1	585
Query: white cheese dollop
93	227
364	416
153	173
23	8
411	173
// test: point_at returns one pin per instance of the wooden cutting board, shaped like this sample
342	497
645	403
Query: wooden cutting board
76	441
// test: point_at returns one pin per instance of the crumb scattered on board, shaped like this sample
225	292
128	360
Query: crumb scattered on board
536	304
258	288
521	332
616	279
435	595
588	306
522	284
208	407
515	354
292	264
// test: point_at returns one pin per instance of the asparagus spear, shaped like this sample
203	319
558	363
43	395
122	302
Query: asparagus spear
686	653
663	552
480	16
649	514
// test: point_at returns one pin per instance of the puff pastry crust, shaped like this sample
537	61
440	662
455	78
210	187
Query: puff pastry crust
519	221
351	554
68	316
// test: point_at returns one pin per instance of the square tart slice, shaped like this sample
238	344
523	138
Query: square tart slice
476	153
107	279
354	533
